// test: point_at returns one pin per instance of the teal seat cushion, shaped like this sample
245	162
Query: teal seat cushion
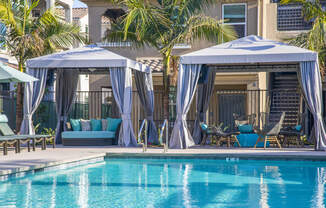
88	134
298	127
75	124
249	140
113	124
245	128
96	125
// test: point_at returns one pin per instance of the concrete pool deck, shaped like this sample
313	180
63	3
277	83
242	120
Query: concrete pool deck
24	161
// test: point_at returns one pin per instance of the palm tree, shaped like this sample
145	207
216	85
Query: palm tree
314	39
162	24
26	37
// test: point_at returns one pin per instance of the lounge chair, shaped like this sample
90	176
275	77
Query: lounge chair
219	135
5	142
9	137
270	131
294	133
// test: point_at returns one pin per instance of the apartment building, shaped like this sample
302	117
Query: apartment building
52	4
79	16
250	17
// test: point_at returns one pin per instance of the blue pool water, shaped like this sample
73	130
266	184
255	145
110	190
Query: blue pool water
133	183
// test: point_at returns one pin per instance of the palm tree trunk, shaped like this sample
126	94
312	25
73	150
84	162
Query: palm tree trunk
166	85
175	66
19	102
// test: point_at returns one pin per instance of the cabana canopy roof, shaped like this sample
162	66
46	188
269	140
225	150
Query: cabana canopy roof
85	57
250	49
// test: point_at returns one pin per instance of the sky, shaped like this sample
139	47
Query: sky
78	4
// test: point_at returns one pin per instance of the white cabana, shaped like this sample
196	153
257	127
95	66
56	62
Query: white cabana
85	57
251	53
67	65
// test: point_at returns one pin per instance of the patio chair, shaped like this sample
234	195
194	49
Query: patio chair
244	120
245	123
9	135
219	135
270	130
294	133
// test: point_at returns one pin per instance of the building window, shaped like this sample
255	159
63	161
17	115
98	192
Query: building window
289	18
36	13
107	95
236	15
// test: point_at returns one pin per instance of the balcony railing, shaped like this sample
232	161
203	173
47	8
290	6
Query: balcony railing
222	105
114	44
289	18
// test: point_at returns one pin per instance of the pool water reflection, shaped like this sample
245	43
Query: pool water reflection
171	183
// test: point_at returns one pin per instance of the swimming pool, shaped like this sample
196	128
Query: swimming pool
134	183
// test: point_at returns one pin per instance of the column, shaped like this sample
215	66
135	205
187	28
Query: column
68	13
50	4
95	23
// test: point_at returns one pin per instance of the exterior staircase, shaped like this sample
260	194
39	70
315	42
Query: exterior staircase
285	96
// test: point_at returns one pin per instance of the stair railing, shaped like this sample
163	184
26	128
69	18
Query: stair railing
143	126
165	126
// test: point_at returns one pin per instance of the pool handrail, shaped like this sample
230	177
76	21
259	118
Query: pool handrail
144	144
165	126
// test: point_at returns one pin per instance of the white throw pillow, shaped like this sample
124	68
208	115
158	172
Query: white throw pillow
85	125
104	124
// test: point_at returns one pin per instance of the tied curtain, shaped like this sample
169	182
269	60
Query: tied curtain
187	82
121	80
204	93
311	85
144	86
33	94
66	85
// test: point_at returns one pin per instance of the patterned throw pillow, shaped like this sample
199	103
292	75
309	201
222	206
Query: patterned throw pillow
104	124
85	125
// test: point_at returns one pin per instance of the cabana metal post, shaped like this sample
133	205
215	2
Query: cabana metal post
251	53
67	65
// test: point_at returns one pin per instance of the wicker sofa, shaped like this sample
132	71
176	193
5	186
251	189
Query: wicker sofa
89	138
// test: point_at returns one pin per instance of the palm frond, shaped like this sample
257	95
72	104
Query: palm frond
141	15
58	34
117	34
27	37
211	29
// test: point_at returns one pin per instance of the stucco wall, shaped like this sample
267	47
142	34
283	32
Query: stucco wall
270	24
97	9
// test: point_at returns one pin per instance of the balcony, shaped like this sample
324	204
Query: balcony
114	44
289	18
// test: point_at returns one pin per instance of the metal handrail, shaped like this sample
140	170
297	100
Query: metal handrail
165	126
144	144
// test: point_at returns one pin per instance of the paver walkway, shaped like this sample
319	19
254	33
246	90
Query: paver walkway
33	160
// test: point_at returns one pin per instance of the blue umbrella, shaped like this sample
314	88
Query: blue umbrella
9	74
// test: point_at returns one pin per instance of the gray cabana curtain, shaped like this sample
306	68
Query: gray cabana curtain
33	95
66	85
121	79
144	86
204	93
187	82
311	85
